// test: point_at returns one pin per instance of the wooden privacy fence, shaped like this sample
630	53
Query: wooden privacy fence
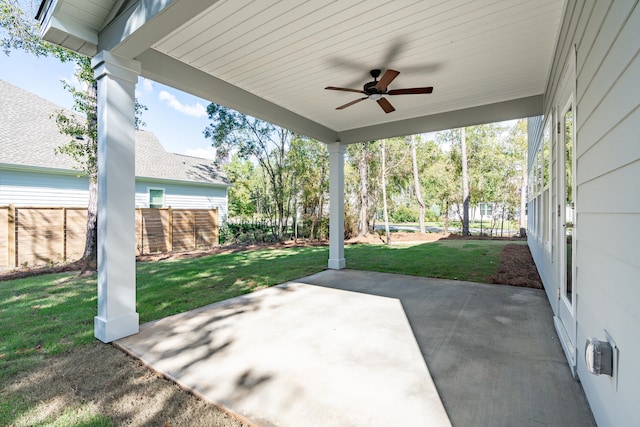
31	236
169	230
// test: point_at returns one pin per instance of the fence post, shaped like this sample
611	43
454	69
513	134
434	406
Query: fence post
170	229
12	259
195	230
141	231
216	228
64	234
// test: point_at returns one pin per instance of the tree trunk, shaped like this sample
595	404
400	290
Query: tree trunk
446	217
364	192
319	213
416	183
383	178
465	183
523	200
90	256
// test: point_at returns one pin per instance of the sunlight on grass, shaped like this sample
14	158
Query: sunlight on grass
447	259
45	315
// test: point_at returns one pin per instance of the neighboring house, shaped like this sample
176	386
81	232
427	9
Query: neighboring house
31	174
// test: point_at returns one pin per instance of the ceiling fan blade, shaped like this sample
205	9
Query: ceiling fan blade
386	79
410	91
386	105
345	89
349	104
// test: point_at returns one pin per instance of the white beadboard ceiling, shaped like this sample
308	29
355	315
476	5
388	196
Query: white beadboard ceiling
473	52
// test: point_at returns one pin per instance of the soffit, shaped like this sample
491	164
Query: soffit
273	59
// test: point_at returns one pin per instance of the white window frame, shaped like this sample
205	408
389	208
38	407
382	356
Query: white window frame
484	206
150	189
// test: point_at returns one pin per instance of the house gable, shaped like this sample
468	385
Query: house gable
31	174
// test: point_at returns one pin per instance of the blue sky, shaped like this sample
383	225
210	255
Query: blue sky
177	118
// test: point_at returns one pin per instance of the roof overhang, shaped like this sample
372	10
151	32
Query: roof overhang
487	61
182	182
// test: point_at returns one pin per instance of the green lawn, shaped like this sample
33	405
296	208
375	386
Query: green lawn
45	315
472	260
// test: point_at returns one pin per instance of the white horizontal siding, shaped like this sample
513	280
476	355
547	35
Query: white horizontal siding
618	150
23	188
37	189
608	297
606	35
185	196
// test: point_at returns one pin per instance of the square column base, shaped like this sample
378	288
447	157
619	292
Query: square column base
337	264
107	330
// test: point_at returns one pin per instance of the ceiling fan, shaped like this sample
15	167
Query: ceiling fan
377	88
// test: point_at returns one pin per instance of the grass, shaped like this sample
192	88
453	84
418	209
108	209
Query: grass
46	315
474	261
170	287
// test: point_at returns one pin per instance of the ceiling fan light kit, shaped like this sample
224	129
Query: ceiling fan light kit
377	88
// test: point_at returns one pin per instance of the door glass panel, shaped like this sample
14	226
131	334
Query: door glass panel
569	204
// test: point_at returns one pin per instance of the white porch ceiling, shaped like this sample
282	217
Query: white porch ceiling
487	60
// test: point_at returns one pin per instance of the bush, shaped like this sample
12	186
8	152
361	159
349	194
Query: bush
404	214
247	232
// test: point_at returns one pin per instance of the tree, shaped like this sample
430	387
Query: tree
310	163
362	175
383	185
267	144
518	140
244	196
21	33
396	151
416	183
465	183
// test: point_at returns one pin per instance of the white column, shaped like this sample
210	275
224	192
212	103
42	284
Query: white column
336	205
116	78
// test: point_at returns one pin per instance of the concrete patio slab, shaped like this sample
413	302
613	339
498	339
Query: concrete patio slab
353	348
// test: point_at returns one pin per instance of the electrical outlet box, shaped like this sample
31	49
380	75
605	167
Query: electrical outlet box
599	357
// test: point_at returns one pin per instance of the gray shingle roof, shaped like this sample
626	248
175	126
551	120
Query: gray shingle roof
28	137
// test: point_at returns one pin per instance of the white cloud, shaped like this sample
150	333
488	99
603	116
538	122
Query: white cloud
73	80
195	110
147	85
205	153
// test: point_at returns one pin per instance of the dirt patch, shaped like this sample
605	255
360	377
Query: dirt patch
21	273
397	237
102	380
517	268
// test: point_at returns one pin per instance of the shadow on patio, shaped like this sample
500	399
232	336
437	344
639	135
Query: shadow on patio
349	348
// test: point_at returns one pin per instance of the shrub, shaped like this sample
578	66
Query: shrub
404	214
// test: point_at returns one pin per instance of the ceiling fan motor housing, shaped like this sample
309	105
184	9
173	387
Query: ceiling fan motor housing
370	88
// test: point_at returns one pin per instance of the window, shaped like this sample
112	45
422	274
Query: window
156	198
546	181
486	209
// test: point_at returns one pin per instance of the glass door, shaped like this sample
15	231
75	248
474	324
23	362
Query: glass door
565	205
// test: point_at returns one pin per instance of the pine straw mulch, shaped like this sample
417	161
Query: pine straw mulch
517	268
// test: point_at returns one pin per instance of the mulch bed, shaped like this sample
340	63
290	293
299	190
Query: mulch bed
517	268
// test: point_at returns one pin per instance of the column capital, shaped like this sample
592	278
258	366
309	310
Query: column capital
336	147
107	63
